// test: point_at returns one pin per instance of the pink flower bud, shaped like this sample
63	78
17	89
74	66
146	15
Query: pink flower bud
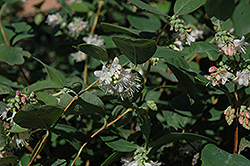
247	114
246	121
4	99
230	51
212	69
17	93
233	116
23	99
226	117
233	110
241	113
241	120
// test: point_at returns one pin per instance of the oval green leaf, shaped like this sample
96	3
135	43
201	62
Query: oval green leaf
221	9
212	155
119	144
137	51
182	7
36	116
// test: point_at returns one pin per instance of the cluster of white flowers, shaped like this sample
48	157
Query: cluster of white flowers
182	35
54	19
242	78
197	32
95	40
77	26
135	163
78	56
20	139
118	81
227	43
218	76
140	158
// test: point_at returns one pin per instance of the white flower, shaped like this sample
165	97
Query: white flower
76	26
78	56
3	113
242	78
75	1
135	163
179	44
198	32
20	139
219	78
117	80
54	19
190	39
239	45
95	40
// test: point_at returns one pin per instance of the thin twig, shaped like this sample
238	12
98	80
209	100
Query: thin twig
1	26
46	136
236	125
93	135
96	17
24	76
157	40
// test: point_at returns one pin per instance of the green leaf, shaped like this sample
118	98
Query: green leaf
42	85
212	155
163	52
11	1
36	116
204	47
12	55
185	79
94	51
71	134
167	138
146	7
60	162
116	156
241	18
55	76
119	144
2	137
21	27
118	110
244	143
221	9
46	98
8	82
182	7
82	7
85	104
22	36
120	29
8	32
5	89
144	21
11	159
137	51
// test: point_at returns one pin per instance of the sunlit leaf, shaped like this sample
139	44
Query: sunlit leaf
182	7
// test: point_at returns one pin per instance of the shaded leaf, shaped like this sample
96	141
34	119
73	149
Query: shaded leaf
2	137
94	51
118	110
182	7
221	9
212	155
116	156
42	85
46	98
120	29
137	51
36	116
119	144
55	76
82	7
8	82
85	104
11	159
5	89
204	47
144	21
12	55
167	138
146	7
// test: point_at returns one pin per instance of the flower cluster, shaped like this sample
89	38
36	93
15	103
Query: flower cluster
140	158
77	26
195	159
95	40
227	43
16	103
242	78
229	115
20	139
218	76
182	32
118	81
54	19
244	117
78	56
